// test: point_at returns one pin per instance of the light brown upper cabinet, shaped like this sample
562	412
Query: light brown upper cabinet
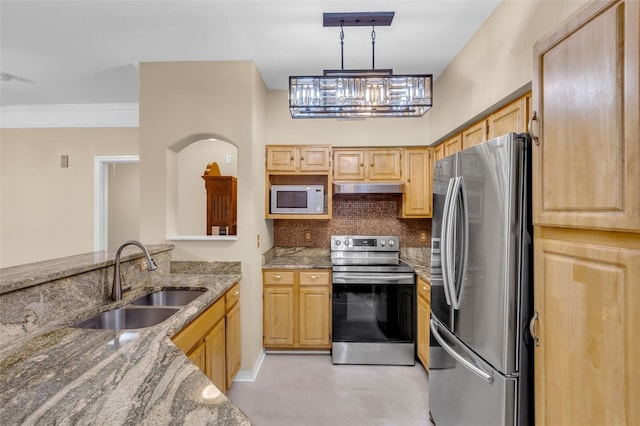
475	134
417	195
298	158
452	145
438	152
298	165
585	94
510	118
384	164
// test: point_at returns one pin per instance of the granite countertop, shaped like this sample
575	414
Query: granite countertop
81	376
301	258
297	258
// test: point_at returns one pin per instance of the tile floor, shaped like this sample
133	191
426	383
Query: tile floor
307	390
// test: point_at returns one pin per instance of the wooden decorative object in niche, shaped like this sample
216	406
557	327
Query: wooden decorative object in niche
222	200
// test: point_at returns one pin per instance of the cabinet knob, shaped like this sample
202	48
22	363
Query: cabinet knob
237	292
292	158
409	180
424	287
302	158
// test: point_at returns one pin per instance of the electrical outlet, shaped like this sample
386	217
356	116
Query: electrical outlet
143	265
227	159
64	161
308	236
424	236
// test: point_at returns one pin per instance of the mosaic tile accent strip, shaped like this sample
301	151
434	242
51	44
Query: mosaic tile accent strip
354	215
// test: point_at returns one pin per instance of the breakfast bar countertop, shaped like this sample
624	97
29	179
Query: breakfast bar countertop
138	376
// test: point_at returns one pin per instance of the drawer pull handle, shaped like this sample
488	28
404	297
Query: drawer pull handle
278	277
314	277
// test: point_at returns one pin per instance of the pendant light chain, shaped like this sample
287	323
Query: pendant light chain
341	45
373	44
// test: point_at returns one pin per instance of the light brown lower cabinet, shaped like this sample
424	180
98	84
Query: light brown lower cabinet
424	315
587	299
232	333
212	340
297	309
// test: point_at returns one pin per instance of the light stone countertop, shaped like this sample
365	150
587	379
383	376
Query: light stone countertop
80	376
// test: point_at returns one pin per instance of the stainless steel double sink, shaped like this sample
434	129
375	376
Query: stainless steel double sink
145	311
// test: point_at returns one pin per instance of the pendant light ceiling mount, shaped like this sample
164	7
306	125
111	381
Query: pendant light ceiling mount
359	93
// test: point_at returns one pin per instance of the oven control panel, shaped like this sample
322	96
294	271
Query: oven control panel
364	243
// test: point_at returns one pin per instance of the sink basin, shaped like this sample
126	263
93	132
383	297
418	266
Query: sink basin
168	298
127	317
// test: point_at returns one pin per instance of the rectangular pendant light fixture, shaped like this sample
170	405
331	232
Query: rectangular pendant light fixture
360	93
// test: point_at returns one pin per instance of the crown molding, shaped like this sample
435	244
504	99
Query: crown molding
68	115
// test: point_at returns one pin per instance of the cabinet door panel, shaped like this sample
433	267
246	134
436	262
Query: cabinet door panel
282	158
585	91
586	367
315	158
417	195
215	357
233	335
314	316
198	356
278	315
508	119
452	145
385	164
424	314
475	134
348	165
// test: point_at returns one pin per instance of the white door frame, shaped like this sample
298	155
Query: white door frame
101	196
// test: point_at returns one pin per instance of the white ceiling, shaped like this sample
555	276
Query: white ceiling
77	52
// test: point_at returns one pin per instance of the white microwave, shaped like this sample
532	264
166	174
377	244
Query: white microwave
297	199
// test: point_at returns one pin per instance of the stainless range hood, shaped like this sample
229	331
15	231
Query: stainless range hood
367	188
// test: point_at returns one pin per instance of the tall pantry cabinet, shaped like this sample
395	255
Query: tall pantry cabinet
586	212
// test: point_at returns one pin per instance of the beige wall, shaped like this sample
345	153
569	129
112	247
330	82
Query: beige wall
224	100
124	203
495	63
47	211
492	66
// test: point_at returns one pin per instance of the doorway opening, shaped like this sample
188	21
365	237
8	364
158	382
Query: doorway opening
124	197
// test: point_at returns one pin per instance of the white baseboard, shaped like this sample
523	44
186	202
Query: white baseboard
250	375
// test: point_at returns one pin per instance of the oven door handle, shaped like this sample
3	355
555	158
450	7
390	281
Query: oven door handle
346	278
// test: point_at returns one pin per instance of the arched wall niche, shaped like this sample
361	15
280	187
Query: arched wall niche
187	159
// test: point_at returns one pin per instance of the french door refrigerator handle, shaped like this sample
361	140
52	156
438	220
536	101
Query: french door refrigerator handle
444	241
461	209
487	377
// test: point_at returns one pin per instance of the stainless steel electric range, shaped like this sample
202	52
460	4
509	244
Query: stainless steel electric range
373	302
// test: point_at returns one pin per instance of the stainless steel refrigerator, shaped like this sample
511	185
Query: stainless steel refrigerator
481	286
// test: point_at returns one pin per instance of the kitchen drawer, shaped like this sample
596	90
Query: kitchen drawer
192	334
315	278
279	277
424	289
232	296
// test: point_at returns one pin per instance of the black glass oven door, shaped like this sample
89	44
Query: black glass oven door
374	313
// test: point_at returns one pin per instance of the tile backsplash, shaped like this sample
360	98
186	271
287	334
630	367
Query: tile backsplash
354	215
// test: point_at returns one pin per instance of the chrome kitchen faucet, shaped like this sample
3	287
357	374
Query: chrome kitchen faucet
116	291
